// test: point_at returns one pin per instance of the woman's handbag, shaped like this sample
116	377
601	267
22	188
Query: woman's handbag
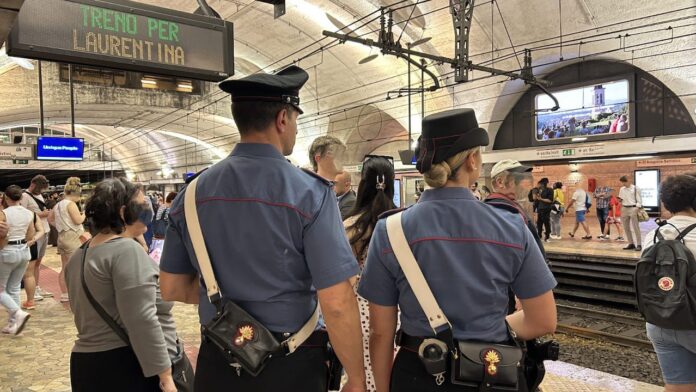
487	366
243	340
182	372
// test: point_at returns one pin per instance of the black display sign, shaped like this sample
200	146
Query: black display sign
124	35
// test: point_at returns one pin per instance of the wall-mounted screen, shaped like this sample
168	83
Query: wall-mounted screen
397	193
648	182
59	148
589	111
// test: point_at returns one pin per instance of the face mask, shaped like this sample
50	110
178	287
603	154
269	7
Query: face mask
140	212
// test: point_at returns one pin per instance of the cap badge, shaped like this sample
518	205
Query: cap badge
245	332
491	357
665	283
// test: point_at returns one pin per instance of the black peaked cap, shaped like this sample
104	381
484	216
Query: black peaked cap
446	134
283	86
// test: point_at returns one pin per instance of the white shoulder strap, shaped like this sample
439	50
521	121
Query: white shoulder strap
414	275
196	234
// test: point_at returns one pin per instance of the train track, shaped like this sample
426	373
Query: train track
599	324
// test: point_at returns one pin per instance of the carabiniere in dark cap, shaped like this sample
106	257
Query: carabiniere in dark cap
447	133
283	86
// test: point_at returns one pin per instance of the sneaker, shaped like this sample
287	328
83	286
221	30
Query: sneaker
587	237
43	293
37	296
571	235
639	248
64	298
629	247
6	329
21	318
28	305
546	240
619	239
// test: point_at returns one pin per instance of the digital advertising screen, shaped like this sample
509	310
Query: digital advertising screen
397	193
596	110
59	148
648	182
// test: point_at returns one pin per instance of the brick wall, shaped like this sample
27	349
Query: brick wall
605	173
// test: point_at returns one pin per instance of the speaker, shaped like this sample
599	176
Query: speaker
17	139
408	157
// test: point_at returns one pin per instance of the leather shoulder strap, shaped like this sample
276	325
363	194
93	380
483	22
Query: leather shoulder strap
196	234
414	275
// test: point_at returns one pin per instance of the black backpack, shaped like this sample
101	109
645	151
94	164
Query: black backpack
665	282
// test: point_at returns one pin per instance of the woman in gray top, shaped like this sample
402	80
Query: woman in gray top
124	281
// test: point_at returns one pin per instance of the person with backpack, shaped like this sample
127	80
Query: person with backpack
665	283
581	202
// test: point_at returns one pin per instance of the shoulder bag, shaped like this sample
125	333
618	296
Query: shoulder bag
494	367
642	214
182	372
242	340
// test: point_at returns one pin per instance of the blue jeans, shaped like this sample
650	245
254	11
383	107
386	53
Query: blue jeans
13	263
602	214
676	352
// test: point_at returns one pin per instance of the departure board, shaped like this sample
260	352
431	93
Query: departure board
124	35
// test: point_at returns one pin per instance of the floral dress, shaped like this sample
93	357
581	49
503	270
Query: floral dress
363	305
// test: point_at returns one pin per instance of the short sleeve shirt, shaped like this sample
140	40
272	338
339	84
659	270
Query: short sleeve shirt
580	197
27	202
470	254
273	233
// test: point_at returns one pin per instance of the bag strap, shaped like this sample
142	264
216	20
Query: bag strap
414	275
100	310
39	203
684	232
213	290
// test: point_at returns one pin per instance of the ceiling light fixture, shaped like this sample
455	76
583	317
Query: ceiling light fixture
368	59
149	82
335	22
185	85
578	139
420	41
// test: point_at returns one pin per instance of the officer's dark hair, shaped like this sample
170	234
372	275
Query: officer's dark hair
256	116
103	209
371	201
13	192
678	193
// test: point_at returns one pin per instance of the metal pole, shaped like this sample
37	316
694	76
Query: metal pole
72	101
41	103
410	142
422	89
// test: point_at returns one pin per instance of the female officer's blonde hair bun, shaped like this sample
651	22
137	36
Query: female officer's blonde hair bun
72	186
439	173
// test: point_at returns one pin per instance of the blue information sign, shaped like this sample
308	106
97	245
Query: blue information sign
59	148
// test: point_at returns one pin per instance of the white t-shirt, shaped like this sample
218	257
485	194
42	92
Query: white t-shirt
30	204
668	232
19	219
580	196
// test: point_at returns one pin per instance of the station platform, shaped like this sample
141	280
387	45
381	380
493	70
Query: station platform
38	360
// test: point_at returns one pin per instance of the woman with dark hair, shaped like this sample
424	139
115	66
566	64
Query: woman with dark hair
116	272
375	196
676	349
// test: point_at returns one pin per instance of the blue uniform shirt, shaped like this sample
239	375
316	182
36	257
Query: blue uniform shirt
273	233
470	254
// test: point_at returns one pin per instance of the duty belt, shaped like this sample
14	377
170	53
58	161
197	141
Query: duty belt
408	342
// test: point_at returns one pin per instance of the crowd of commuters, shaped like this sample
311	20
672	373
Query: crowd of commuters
284	242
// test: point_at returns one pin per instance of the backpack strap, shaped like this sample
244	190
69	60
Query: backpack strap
684	232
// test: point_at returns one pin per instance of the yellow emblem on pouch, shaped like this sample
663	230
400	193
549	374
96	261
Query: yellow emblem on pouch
244	333
491	357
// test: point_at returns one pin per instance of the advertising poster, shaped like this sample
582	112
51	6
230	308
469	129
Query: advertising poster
648	182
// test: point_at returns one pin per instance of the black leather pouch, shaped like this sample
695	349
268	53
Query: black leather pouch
241	338
487	366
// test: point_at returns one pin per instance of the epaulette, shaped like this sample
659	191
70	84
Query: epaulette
188	180
391	212
318	177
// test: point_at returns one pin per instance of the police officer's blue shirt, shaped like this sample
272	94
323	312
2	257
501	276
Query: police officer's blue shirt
273	232
470	254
